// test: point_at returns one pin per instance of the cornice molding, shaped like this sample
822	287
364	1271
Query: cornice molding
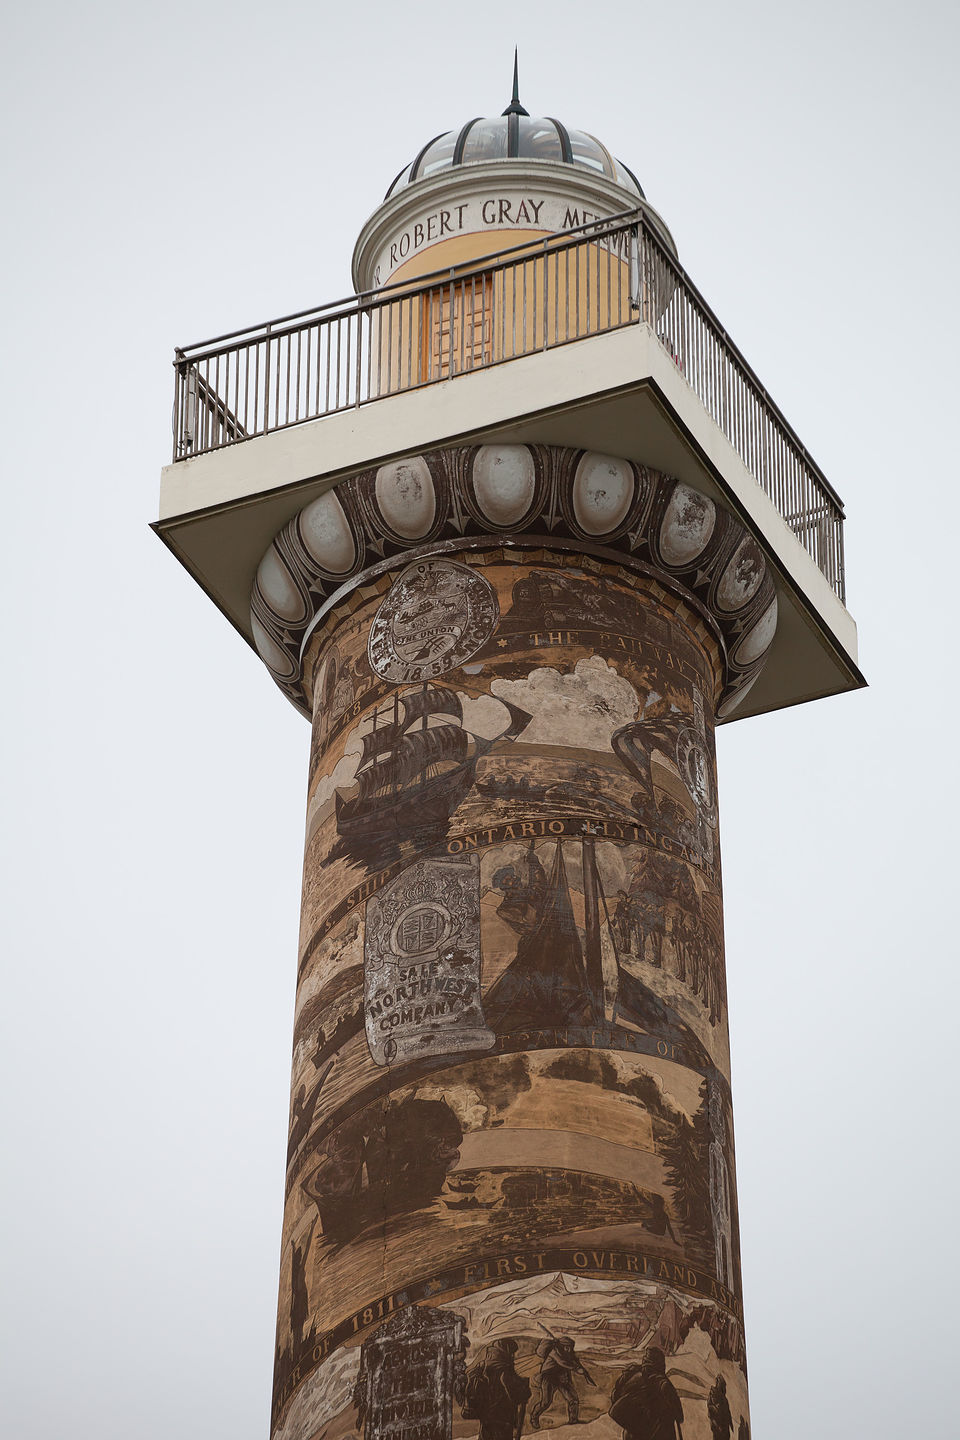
572	185
522	495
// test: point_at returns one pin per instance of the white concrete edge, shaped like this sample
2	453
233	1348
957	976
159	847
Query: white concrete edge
788	550
511	393
423	419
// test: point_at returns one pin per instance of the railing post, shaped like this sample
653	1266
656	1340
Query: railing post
178	368
359	314
451	325
634	264
190	407
266	382
840	584
649	309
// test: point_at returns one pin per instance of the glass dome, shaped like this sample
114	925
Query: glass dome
514	135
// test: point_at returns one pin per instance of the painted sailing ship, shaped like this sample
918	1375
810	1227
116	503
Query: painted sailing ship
418	762
509	787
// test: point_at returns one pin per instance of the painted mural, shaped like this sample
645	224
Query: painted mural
549	1350
511	1195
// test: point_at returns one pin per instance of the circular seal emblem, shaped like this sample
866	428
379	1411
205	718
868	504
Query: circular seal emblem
693	762
435	616
420	930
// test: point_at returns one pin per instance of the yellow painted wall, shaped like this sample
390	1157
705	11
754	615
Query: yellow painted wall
463	249
542	296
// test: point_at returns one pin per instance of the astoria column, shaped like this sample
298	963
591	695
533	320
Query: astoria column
510	1194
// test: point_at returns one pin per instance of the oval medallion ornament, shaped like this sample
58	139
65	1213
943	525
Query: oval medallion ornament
326	533
733	700
757	641
504	482
687	526
278	588
269	651
406	497
436	615
602	493
743	576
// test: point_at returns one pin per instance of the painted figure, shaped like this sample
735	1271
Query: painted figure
299	1297
303	1110
545	983
523	895
644	1401
495	1394
718	1410
558	1367
623	921
658	1221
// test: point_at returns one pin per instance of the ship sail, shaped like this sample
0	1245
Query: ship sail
519	720
423	748
383	775
431	700
377	742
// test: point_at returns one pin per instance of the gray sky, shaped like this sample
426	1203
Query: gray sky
183	169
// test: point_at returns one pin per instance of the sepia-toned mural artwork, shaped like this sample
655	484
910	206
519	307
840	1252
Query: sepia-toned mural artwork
510	1197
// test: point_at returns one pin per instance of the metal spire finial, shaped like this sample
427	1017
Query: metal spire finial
515	108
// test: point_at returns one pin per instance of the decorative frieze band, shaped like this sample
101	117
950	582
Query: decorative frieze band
522	494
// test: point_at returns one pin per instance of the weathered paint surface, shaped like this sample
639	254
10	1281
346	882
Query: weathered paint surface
511	1161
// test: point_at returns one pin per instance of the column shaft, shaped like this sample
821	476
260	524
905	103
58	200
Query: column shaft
510	1185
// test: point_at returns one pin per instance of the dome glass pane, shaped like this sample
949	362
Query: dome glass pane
589	152
402	179
538	139
438	157
487	141
624	178
535	137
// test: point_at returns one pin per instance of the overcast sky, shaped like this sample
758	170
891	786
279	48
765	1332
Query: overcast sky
178	170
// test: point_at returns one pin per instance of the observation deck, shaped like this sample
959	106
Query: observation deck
593	337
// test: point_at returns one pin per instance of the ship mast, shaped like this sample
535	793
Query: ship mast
423	726
592	959
396	725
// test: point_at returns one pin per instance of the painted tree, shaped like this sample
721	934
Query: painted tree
684	1150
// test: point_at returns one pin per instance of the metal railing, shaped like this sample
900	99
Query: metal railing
533	297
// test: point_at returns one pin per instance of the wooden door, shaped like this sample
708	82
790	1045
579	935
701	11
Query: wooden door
457	332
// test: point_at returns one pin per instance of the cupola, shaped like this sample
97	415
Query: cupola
489	185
